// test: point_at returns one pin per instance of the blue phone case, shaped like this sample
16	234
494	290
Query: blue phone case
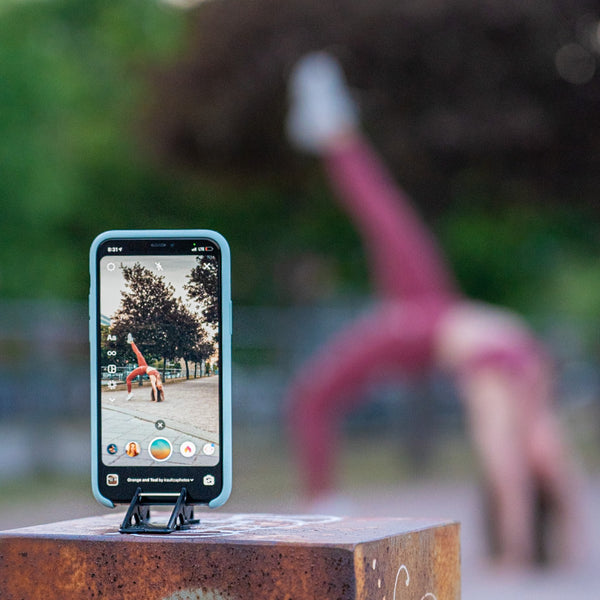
226	325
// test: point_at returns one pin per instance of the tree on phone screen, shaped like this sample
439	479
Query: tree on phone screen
162	325
203	287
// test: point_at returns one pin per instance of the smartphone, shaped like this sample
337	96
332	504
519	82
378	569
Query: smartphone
160	347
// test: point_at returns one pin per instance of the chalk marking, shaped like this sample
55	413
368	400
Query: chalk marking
407	582
198	594
398	575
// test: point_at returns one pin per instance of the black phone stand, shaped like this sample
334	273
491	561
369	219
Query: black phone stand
137	518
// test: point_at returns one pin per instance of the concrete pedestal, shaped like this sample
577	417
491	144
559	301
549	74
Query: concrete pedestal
235	557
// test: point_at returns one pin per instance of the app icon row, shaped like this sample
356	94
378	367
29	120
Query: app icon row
161	449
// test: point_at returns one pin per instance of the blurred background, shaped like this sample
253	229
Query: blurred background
145	114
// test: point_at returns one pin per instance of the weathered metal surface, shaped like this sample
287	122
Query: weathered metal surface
235	557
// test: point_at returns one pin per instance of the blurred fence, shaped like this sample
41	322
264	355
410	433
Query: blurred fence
44	361
44	371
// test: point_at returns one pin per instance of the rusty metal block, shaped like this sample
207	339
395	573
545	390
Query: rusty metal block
235	557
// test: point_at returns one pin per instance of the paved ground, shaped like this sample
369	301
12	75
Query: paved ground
186	404
480	579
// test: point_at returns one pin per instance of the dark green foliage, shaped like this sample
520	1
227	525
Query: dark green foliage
100	99
71	83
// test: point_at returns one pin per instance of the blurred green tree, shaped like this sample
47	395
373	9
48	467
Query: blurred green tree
99	100
71	82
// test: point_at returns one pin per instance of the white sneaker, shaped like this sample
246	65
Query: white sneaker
130	396
320	102
129	338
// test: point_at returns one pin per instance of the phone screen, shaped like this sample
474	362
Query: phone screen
159	361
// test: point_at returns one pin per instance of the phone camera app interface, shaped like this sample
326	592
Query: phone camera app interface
159	358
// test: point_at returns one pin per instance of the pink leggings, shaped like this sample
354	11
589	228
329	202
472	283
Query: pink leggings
399	336
141	361
416	289
141	369
403	255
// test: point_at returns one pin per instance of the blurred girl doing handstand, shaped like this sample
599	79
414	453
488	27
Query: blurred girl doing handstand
157	394
422	321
